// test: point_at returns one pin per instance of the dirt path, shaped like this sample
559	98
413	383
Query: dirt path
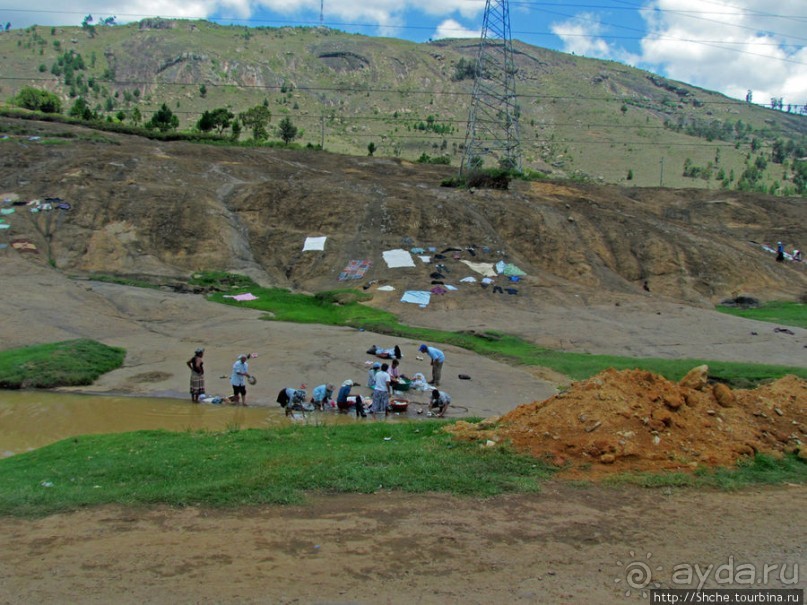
568	544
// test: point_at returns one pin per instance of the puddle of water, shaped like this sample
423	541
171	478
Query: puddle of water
31	419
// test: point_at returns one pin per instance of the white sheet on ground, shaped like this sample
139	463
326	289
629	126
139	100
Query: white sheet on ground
418	297
398	258
314	243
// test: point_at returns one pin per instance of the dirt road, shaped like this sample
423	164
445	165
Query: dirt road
569	544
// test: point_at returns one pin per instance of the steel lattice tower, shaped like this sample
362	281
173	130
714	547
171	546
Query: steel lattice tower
493	117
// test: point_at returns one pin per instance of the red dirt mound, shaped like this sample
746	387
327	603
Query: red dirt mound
640	421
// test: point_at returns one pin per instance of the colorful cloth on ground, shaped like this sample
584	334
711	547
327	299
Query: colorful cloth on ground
355	270
511	270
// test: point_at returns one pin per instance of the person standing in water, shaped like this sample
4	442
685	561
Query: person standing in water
197	367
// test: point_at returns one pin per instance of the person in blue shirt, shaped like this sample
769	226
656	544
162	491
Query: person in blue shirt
437	358
343	403
371	374
321	395
238	380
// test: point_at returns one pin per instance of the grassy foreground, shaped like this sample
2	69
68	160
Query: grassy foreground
257	466
343	308
280	465
67	363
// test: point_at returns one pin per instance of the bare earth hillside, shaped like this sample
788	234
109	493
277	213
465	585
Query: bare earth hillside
144	208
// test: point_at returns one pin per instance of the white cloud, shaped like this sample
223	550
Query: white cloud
581	36
451	29
745	45
378	12
584	35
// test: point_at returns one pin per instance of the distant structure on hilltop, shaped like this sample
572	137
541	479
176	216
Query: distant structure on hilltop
493	117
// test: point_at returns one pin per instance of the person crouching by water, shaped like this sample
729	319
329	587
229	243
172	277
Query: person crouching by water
381	392
197	367
291	399
238	380
321	395
440	400
343	403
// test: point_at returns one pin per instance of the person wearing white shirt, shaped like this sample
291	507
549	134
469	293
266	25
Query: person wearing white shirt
381	391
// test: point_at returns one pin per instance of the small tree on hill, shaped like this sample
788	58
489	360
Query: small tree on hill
256	119
163	120
219	118
81	110
371	149
287	130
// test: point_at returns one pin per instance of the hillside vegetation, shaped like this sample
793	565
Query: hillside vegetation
581	118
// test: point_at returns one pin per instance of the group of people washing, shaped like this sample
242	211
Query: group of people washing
383	379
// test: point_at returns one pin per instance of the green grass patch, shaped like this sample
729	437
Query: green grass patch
762	469
67	363
778	312
343	308
258	466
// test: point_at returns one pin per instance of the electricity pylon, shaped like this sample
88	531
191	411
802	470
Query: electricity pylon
493	117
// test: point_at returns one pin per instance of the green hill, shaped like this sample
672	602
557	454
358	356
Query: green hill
580	118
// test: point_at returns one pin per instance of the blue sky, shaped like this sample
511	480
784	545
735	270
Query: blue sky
730	46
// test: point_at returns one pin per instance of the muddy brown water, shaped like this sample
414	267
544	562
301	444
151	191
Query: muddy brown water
32	419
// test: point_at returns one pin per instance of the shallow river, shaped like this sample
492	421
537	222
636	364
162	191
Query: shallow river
31	419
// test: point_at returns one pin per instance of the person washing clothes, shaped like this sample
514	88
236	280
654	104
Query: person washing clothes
343	403
440	400
321	395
